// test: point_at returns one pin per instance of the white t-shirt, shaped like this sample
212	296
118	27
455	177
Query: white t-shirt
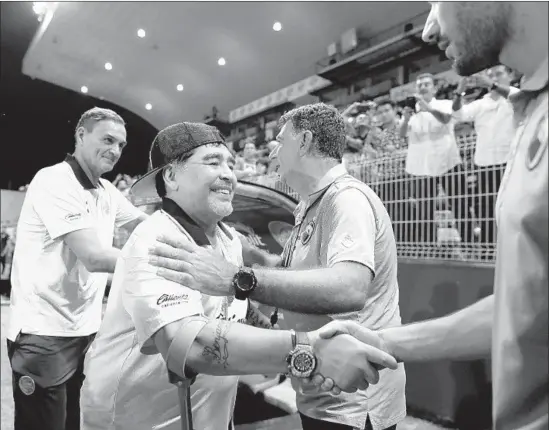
432	148
52	292
128	390
493	119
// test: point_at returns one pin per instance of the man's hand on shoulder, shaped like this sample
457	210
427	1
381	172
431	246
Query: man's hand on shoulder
196	267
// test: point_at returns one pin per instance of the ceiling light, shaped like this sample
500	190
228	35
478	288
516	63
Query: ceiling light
180	87
221	61
148	106
108	66
277	26
84	89
141	33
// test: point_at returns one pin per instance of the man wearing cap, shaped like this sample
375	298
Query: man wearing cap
154	328
63	254
341	261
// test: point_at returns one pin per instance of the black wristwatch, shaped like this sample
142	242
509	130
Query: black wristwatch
244	283
301	359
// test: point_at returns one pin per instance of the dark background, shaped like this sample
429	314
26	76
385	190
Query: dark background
37	119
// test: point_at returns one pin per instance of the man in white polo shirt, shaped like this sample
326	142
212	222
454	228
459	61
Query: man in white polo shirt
492	116
61	262
153	325
341	264
432	158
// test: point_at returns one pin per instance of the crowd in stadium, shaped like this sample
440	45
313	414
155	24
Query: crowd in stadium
441	202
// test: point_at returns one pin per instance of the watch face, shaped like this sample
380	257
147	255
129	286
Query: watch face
245	281
302	364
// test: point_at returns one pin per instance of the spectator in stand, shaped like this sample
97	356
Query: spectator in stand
432	157
492	116
390	148
263	177
261	166
245	167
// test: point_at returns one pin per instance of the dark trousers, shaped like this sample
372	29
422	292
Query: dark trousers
47	375
313	424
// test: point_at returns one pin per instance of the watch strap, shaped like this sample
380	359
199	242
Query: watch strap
302	338
294	339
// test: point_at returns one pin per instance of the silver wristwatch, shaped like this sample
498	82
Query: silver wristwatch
301	359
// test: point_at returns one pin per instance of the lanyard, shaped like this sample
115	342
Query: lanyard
289	249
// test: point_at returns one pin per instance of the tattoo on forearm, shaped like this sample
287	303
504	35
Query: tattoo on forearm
256	319
219	351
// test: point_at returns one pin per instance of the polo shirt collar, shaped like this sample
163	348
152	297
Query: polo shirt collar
327	180
538	80
81	176
185	221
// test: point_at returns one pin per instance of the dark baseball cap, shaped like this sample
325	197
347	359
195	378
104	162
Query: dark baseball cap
170	144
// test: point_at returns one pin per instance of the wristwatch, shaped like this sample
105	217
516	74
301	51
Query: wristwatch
301	359
244	283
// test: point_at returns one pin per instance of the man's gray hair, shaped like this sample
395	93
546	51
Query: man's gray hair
324	122
95	115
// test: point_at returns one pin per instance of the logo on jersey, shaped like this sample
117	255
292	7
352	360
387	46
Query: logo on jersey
166	300
73	217
27	385
308	232
347	241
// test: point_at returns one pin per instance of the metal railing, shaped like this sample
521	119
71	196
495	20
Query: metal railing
451	217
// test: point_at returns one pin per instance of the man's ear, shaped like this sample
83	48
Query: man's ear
169	174
306	143
80	134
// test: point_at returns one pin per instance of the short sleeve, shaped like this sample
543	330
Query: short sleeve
468	112
350	230
125	210
60	204
152	301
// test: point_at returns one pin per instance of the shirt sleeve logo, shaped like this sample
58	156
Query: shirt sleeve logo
73	217
347	241
166	300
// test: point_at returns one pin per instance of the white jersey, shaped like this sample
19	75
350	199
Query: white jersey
52	292
125	389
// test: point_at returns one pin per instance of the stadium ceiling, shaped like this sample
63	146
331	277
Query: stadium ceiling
182	45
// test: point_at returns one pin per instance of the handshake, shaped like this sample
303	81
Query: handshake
349	358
